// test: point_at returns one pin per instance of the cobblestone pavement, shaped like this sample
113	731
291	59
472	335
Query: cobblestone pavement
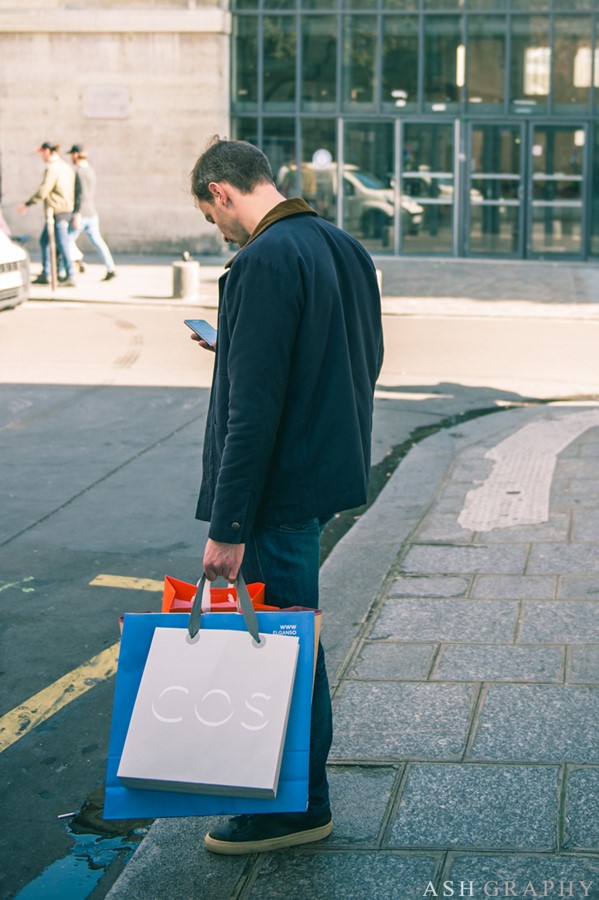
538	282
464	650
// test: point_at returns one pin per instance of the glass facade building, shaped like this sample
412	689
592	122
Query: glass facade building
433	127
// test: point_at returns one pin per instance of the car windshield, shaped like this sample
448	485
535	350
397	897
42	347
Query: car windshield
370	181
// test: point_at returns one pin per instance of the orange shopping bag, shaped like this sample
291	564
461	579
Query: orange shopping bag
178	597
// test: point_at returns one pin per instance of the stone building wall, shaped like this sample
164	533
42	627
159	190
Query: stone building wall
143	84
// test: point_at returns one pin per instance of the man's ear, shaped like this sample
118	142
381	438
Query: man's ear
219	193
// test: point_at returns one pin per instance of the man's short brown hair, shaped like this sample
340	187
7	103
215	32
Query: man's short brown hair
238	163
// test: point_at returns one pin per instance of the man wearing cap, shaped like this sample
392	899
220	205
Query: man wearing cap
57	190
85	217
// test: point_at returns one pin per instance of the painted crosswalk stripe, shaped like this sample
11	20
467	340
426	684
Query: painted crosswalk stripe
28	715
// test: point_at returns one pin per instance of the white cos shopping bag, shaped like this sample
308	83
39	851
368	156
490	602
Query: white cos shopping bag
211	712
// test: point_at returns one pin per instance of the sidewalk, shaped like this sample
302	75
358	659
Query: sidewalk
462	637
462	642
409	286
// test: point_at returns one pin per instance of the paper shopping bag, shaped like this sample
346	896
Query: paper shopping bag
124	802
211	713
178	596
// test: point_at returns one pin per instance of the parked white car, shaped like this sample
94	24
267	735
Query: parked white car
14	272
368	202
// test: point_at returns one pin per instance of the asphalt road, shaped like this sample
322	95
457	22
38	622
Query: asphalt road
101	420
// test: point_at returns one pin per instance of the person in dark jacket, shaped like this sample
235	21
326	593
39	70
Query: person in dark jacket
288	432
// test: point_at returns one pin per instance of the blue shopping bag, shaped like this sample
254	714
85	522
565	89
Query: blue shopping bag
122	802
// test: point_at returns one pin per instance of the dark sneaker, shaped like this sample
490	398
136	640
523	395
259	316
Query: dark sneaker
109	276
41	279
268	831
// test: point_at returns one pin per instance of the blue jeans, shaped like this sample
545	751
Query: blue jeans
91	226
63	250
286	558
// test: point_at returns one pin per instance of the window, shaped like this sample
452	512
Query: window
359	61
319	62
400	63
245	63
442	38
530	67
572	63
486	63
279	62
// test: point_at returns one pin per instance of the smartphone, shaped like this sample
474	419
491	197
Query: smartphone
204	329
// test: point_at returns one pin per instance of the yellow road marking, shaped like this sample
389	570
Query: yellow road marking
28	715
131	584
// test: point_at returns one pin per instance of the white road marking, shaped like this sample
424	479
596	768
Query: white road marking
517	490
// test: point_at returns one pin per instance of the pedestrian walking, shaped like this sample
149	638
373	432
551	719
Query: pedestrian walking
288	433
57	191
85	215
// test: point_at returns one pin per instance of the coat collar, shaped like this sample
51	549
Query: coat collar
293	207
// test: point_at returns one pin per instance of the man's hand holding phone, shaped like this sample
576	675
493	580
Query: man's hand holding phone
203	333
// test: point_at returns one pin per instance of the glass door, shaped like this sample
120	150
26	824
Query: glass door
556	197
524	192
367	182
495	190
427	183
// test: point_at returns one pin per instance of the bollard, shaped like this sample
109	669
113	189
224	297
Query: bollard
186	278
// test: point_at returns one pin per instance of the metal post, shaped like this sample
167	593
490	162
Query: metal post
52	249
186	278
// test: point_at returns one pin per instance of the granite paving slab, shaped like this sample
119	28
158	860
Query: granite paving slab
454	560
563	559
490	662
579	587
344	876
582	810
555	875
538	723
583	665
390	720
478	806
393	661
567	621
447	620
586	525
433	586
367	788
515	587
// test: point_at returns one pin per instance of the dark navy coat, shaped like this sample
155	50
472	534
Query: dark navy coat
299	349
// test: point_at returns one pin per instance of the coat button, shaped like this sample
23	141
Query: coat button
235	526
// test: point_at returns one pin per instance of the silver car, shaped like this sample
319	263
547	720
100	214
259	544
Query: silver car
14	272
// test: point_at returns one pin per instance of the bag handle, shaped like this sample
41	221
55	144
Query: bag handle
244	605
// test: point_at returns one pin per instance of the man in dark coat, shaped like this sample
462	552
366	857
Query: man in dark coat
288	430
